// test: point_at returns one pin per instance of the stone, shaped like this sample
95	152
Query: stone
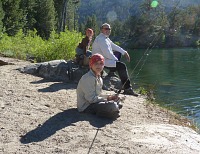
2	62
67	71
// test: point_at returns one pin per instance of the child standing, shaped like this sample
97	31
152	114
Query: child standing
89	97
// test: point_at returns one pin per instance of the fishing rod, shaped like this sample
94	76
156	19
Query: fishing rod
149	49
93	140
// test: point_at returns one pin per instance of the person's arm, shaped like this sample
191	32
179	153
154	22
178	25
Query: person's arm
85	42
121	50
89	43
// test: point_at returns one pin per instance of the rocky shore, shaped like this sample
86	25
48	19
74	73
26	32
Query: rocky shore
39	116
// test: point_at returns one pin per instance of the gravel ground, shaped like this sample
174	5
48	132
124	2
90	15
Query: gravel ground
40	117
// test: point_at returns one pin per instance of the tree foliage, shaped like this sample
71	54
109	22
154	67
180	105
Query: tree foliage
45	17
58	46
1	17
30	13
66	14
13	19
135	22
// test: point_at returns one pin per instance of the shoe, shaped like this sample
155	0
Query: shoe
130	91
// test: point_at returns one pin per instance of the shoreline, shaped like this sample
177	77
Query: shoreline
40	116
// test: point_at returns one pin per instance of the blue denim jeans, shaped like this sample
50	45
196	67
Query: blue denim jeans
79	51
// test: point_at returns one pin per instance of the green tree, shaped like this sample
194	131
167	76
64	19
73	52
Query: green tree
197	23
1	17
66	14
13	20
191	20
175	19
45	17
146	28
29	12
91	22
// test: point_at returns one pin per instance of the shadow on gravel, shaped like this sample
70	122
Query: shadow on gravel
60	121
55	86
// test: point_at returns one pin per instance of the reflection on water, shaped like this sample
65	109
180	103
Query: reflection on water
174	73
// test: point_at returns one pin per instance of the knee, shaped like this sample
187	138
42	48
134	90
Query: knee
110	110
121	65
112	107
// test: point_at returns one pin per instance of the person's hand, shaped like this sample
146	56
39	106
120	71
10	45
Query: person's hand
127	56
113	97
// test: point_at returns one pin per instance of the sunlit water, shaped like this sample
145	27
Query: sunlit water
175	75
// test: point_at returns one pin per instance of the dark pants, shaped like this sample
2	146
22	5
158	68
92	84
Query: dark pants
104	109
118	55
122	72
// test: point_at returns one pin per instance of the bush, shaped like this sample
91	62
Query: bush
58	46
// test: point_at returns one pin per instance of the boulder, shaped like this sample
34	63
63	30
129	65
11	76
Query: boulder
67	71
2	62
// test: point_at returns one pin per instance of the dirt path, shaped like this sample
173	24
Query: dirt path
40	117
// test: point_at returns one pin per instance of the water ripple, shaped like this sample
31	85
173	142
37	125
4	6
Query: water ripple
187	99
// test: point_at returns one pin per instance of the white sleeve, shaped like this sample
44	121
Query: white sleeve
117	48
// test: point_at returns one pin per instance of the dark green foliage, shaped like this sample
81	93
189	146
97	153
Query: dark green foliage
134	22
13	19
45	17
66	14
137	23
91	22
29	12
1	17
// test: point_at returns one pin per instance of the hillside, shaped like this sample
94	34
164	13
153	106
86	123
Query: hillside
123	9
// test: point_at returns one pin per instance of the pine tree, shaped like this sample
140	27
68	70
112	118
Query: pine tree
1	17
92	23
29	12
13	20
67	14
45	17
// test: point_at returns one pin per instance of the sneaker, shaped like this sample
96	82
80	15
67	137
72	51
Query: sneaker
130	91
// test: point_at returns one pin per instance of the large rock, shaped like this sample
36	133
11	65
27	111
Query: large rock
67	71
2	62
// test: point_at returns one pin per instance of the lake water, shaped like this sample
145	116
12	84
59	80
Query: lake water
174	74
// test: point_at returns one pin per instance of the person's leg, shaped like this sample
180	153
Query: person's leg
124	77
79	56
123	74
112	71
117	54
104	109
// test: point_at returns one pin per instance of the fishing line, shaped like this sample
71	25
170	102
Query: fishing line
93	140
146	55
149	49
147	52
